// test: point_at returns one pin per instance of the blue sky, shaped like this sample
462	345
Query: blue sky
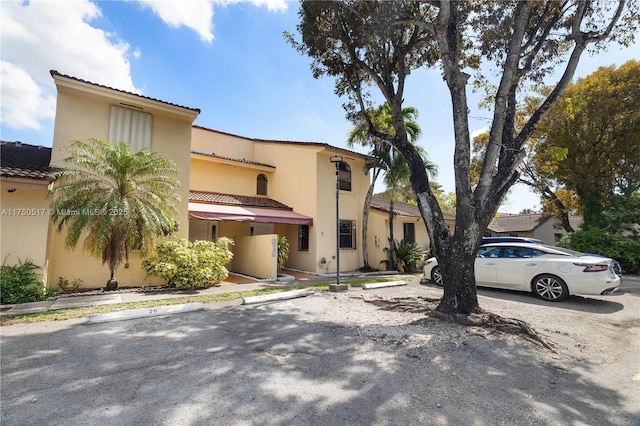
227	58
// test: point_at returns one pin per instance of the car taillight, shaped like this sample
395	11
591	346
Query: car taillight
590	267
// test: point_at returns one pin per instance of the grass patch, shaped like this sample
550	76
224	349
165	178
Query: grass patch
81	312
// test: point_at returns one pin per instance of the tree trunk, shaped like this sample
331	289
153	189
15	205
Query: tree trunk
112	284
365	219
458	274
563	213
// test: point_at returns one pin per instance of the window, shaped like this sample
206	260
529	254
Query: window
488	252
347	234
409	232
303	237
262	185
130	126
344	176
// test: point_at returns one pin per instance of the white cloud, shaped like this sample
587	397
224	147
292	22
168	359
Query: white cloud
193	14
40	36
20	90
272	5
197	15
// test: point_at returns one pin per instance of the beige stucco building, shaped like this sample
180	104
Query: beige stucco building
250	190
243	188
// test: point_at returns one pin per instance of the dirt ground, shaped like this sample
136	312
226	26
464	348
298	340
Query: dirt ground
336	359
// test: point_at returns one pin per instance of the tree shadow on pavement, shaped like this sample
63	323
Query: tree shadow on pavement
289	363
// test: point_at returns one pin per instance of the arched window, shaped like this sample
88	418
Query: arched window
262	185
344	176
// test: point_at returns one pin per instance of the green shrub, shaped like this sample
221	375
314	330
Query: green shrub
188	265
283	251
65	286
405	256
624	249
20	283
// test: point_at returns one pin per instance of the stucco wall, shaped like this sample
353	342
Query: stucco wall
82	112
222	144
245	260
211	175
377	236
24	222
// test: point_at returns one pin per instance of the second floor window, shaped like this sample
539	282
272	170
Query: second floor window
130	126
262	185
344	176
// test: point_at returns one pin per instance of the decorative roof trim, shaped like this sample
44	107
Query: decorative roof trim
236	200
321	145
57	75
235	160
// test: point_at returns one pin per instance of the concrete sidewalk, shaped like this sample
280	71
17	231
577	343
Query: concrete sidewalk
237	284
108	298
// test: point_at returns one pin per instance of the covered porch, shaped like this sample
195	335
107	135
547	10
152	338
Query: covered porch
253	223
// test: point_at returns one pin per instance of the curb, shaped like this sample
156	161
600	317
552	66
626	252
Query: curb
382	285
277	296
143	313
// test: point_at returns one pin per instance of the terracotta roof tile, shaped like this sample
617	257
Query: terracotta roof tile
239	160
399	209
235	200
23	160
298	143
56	73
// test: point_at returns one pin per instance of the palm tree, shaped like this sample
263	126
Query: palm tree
118	199
383	158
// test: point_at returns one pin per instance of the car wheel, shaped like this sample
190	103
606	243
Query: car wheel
549	287
436	275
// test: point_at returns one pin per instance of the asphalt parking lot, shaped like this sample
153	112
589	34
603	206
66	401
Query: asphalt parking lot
330	359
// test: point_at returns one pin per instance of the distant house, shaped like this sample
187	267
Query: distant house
542	226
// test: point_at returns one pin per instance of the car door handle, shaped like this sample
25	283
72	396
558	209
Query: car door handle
532	264
490	264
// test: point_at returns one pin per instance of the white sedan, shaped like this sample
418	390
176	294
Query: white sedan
551	273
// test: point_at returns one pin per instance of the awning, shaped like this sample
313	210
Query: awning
246	214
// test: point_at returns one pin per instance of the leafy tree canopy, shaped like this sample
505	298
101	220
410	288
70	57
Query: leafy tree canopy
366	45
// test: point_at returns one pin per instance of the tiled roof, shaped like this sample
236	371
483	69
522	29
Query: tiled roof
56	73
399	209
23	160
239	160
316	144
518	223
235	200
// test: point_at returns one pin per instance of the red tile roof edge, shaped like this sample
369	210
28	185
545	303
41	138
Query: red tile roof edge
56	73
